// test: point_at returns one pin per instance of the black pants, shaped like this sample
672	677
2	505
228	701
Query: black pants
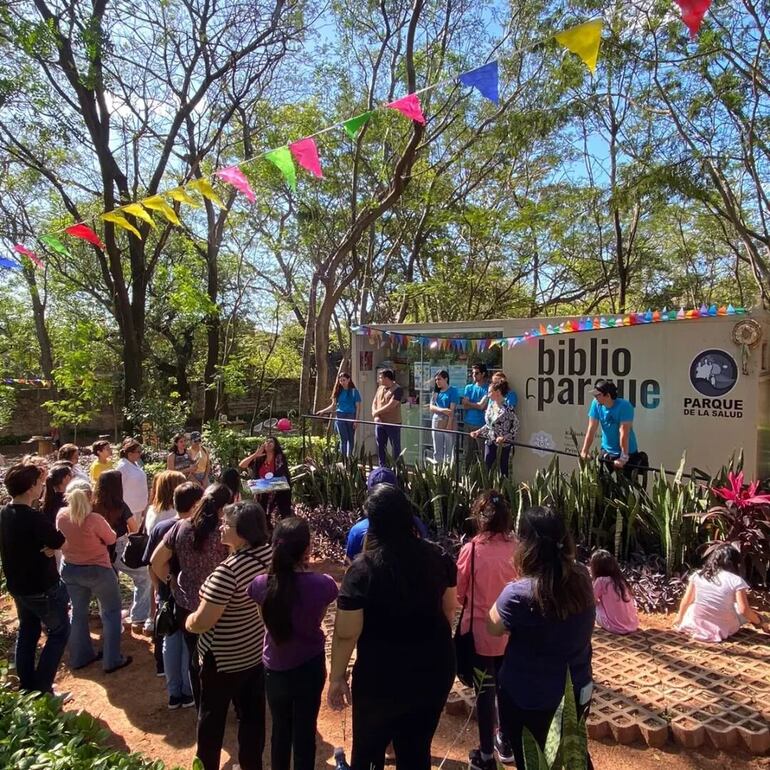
294	697
246	690
490	455
487	701
513	720
630	470
410	721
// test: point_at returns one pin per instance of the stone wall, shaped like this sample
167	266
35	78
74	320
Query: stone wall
31	419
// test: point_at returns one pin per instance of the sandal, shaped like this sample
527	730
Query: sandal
125	662
96	657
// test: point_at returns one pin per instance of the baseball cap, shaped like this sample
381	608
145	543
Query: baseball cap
380	475
195	436
605	388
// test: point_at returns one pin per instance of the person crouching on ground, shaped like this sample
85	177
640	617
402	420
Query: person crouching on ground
615	604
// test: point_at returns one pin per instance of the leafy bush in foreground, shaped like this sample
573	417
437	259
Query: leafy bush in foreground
35	734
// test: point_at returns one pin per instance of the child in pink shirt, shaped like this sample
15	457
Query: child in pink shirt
484	567
615	605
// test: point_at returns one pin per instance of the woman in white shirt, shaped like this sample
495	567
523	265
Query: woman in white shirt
715	604
135	496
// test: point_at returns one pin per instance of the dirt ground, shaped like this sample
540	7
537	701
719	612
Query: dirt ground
132	704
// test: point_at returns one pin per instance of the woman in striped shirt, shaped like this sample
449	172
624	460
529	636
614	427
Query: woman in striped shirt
231	639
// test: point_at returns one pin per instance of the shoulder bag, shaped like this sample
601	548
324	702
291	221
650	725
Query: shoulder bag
133	556
465	647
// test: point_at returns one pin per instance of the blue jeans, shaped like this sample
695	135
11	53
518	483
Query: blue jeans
83	582
176	665
140	606
48	609
346	433
490	455
383	434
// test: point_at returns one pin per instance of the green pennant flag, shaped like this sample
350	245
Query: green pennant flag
354	125
282	160
55	245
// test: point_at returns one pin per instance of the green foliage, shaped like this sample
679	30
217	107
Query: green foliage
7	404
567	740
157	417
38	735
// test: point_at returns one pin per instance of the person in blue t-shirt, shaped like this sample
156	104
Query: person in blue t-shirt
345	401
443	403
474	404
616	418
357	534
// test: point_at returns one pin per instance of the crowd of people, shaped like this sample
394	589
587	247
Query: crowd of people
225	588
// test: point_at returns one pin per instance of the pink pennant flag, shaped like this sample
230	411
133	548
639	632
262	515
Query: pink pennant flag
86	233
693	12
234	176
410	107
305	153
31	254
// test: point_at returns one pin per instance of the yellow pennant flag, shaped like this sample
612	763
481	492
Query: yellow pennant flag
156	203
203	186
136	210
121	221
583	40
179	194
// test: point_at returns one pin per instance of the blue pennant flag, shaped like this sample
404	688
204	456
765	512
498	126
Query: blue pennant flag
485	79
10	264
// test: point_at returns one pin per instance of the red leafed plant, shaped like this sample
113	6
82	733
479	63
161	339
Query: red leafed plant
743	521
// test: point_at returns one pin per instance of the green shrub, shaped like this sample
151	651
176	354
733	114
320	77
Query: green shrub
35	734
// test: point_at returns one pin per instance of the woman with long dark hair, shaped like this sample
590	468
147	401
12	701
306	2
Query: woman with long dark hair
548	613
442	407
193	548
231	640
345	401
395	607
59	475
293	601
267	462
109	502
178	458
484	567
716	602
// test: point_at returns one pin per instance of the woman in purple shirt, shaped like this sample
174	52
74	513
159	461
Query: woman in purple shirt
293	601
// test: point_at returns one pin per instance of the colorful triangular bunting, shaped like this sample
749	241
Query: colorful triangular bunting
583	40
484	79
305	153
410	107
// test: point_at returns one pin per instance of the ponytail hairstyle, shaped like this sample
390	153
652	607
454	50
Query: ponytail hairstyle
604	564
491	513
205	517
546	553
52	499
724	557
129	445
291	540
78	497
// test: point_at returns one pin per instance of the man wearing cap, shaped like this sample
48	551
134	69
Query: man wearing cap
357	534
616	417
200	467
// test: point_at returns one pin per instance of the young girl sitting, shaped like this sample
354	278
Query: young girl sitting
615	605
715	603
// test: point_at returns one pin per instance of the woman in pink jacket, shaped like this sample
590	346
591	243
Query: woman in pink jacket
484	567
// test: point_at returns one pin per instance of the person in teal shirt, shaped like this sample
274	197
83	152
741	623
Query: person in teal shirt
345	401
616	418
474	401
442	406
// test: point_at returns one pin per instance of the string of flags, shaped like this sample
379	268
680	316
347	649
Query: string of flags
580	324
583	40
28	381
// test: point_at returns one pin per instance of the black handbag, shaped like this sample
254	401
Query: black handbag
167	617
465	647
136	545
